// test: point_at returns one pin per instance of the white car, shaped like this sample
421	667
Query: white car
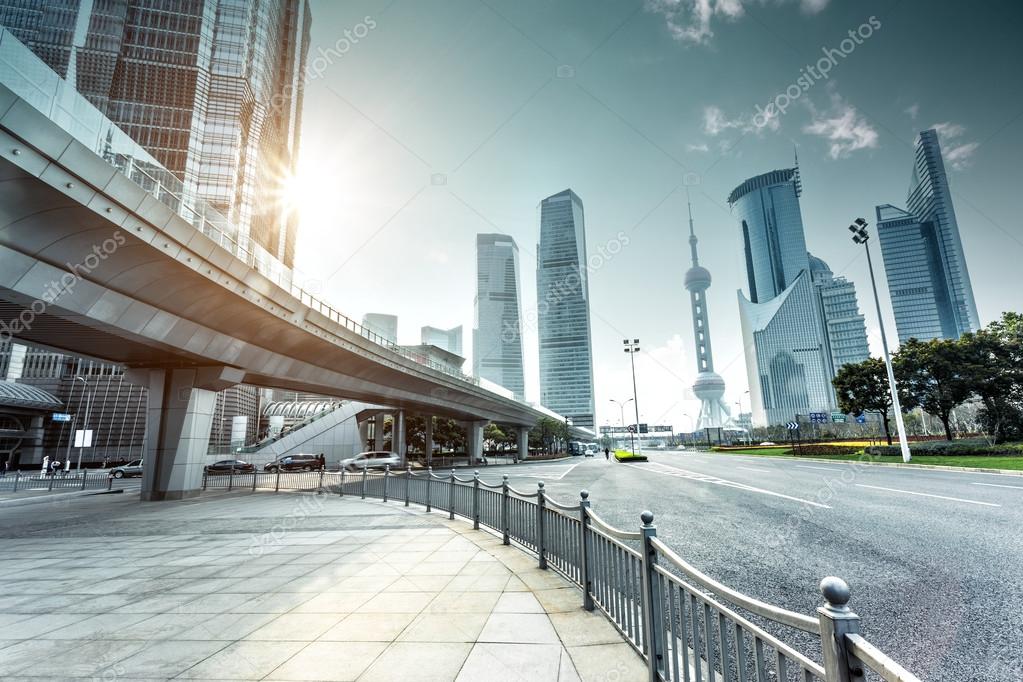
376	459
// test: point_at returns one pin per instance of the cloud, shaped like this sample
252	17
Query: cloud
843	126
957	153
716	122
691	21
702	147
913	110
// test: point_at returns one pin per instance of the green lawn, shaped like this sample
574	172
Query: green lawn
972	461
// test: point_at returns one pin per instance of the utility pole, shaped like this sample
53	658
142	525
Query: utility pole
861	236
632	348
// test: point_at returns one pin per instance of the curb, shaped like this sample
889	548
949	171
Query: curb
897	465
56	497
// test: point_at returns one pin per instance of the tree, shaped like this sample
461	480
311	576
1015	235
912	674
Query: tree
863	387
933	375
493	436
993	362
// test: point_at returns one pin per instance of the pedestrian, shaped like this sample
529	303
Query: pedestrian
55	466
3	468
607	454
46	467
106	462
323	462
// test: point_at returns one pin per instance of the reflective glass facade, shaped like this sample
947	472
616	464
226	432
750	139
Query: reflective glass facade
497	331
212	89
845	325
448	339
928	281
788	359
563	310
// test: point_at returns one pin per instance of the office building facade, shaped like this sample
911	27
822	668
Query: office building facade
845	326
563	310
382	324
788	361
928	281
448	339
497	327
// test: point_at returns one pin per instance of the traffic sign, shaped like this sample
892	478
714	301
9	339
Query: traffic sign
632	428
838	417
61	417
643	428
819	417
83	438
793	426
862	419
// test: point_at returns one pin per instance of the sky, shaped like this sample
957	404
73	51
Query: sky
426	123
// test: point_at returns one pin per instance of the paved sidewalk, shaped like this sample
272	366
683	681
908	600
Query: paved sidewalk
285	587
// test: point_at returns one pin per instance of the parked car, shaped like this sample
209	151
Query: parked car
133	468
294	463
377	459
227	466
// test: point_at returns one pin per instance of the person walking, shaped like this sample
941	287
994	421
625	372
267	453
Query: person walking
607	453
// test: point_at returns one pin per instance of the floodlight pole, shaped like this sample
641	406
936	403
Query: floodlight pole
861	236
632	348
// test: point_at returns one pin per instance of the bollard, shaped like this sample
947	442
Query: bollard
451	496
364	469
387	475
277	480
837	620
110	482
53	475
320	489
230	479
85	473
584	549
541	523
653	620
504	510
408	481
254	475
476	500
429	477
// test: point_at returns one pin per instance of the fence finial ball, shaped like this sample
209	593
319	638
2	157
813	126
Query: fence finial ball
476	473
647	517
584	494
505	478
836	591
540	485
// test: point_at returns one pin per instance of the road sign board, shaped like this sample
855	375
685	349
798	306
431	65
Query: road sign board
632	428
819	417
862	419
61	417
838	417
793	426
643	428
83	439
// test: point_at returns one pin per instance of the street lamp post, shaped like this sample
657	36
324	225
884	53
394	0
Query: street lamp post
621	407
861	236
632	347
85	423
691	426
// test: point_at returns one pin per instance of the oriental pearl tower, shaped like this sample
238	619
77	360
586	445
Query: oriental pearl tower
709	387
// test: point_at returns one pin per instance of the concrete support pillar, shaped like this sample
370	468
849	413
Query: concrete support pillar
398	435
378	430
182	403
474	441
523	442
363	436
428	445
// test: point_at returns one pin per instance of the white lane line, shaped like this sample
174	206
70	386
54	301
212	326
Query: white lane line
759	471
995	485
804	466
940	497
704	478
516	473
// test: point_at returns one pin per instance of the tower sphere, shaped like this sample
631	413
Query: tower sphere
697	278
709	386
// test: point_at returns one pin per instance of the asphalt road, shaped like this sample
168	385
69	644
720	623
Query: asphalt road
934	558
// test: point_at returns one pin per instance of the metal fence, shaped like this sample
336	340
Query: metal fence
686	625
66	482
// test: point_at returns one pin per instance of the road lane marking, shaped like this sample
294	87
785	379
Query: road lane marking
995	485
705	478
940	497
759	471
803	466
517	473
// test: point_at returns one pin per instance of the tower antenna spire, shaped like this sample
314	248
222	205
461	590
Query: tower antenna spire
692	231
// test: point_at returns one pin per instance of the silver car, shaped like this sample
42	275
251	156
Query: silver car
376	459
128	470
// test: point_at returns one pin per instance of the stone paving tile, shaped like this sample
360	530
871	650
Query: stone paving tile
247	660
422	662
495	662
296	627
445	627
608	662
369	627
525	628
343	662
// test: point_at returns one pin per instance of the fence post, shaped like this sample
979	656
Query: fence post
541	523
837	620
319	490
451	496
341	486
584	549
429	478
653	620
53	475
277	480
254	475
387	475
408	481
17	477
476	500
504	510
85	474
364	474
110	482
230	479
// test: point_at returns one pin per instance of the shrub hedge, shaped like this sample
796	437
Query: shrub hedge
950	448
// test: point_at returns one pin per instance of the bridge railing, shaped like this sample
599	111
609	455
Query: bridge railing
686	625
33	81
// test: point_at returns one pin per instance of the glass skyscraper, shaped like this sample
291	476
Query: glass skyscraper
448	339
928	281
845	326
211	88
497	331
563	310
788	360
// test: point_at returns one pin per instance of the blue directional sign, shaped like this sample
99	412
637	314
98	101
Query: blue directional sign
793	426
862	419
61	417
819	417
